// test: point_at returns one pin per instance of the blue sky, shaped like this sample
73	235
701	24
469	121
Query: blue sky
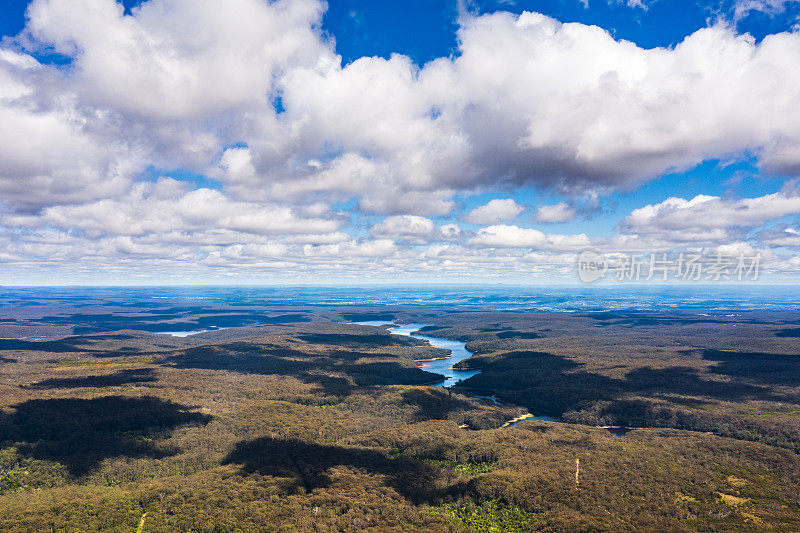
403	145
425	30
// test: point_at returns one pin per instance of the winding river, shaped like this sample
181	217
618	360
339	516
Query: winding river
444	366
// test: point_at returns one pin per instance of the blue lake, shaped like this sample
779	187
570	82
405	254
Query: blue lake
441	366
444	366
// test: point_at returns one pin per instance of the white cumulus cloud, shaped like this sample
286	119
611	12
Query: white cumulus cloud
504	236
560	212
496	210
403	227
250	97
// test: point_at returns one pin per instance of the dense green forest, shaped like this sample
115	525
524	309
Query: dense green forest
305	423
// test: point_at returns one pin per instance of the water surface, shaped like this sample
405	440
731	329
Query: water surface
443	366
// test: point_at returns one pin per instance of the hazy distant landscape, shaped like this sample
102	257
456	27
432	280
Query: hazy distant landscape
293	417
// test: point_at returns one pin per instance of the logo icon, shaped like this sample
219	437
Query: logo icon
591	266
